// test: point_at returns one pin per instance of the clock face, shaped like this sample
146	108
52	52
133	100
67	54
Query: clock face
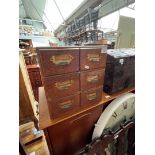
120	110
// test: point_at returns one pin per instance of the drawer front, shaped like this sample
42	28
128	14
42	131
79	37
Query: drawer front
61	86
91	58
35	78
91	79
64	106
58	61
69	136
90	97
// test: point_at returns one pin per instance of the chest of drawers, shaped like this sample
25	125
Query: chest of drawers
72	77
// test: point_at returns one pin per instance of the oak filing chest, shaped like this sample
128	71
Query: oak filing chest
72	77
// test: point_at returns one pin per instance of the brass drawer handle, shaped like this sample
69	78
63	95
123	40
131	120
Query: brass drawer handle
94	57
66	105
80	118
61	60
64	85
92	79
92	96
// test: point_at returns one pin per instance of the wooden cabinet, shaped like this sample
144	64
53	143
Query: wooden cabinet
73	80
74	133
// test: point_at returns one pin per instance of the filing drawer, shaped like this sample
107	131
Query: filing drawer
35	78
61	85
91	97
60	107
58	61
92	58
91	79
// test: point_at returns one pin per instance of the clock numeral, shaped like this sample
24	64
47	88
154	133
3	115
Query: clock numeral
114	115
125	105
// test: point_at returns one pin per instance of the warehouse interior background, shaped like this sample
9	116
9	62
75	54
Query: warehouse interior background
45	23
106	15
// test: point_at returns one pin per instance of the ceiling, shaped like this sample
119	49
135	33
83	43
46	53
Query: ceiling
31	9
47	11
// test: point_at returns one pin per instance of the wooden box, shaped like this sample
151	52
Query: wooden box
92	58
61	85
58	61
91	97
91	79
120	70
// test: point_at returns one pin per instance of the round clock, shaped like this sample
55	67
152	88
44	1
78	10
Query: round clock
120	110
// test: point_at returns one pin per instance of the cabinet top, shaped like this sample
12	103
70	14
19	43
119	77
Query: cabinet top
44	117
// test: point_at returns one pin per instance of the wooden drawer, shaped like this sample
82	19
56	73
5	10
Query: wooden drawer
71	135
35	78
63	106
61	85
91	79
91	58
58	61
92	96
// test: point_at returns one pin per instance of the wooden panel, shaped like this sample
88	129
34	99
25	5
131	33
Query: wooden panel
58	61
91	58
27	102
61	86
91	97
70	135
91	79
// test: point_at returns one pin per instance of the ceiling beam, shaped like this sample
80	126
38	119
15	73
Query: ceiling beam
105	7
110	6
80	11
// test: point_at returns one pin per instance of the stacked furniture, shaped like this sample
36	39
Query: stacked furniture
72	77
120	70
72	98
